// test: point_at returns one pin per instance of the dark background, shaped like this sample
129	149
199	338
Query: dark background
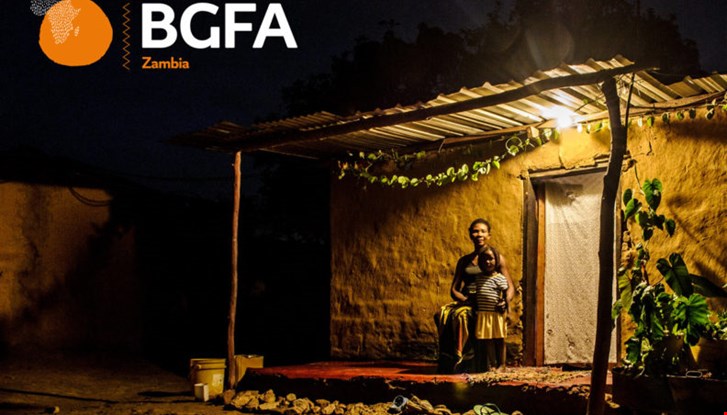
116	119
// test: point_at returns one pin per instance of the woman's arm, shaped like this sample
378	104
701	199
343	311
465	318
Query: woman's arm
457	283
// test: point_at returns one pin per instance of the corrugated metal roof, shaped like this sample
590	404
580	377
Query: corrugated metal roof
325	135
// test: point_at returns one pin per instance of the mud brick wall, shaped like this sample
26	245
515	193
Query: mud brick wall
394	251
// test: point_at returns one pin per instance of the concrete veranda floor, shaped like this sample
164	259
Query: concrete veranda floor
531	390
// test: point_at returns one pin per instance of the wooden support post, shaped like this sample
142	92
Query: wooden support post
233	286
604	325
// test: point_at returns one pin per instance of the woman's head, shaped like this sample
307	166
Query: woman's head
479	231
480	221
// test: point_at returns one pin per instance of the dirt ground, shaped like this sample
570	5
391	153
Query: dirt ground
95	385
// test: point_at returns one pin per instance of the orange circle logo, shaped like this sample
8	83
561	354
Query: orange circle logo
75	33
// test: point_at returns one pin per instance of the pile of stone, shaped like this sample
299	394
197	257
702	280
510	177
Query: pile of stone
251	401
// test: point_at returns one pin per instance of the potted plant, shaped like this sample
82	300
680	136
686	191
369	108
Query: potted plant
669	310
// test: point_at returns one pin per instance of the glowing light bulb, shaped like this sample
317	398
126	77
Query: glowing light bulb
563	117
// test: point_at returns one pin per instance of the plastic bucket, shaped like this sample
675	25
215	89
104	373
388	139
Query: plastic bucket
210	372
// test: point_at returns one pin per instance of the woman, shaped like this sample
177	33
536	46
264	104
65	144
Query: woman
463	288
479	232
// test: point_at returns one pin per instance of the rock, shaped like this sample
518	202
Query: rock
322	402
290	397
268	396
253	404
303	405
293	410
328	409
355	409
242	398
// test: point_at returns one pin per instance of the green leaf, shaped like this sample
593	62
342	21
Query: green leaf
628	195
496	163
632	207
656	327
676	274
633	350
475	176
642	218
670	226
513	150
538	141
652	190
665	118
648	233
690	316
624	288
450	171
680	115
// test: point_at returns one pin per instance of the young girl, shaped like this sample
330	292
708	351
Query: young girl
490	327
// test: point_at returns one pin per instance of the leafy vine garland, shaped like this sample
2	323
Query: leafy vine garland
362	164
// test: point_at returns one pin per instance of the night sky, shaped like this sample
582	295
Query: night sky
116	119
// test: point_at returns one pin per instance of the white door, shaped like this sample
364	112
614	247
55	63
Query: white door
572	210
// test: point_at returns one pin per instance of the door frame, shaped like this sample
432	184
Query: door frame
533	296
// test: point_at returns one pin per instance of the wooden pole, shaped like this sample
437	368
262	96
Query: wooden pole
233	286
604	325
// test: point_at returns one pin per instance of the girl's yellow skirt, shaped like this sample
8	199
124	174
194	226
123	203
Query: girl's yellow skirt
490	325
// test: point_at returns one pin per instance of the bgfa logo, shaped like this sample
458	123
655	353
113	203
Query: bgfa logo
73	32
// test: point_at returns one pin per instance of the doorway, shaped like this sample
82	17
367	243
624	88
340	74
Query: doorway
561	267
